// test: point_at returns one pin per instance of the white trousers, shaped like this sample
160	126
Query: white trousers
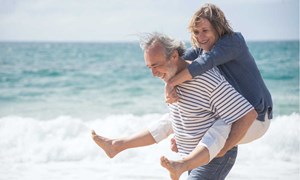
215	138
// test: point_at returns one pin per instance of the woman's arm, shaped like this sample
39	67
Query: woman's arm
226	49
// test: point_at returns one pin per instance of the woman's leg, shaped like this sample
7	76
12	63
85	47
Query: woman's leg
209	146
217	169
114	146
256	130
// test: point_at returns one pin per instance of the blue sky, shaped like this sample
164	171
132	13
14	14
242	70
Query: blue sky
120	20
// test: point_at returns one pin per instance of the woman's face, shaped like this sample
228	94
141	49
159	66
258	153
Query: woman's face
205	34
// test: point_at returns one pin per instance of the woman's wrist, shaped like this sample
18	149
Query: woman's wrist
170	83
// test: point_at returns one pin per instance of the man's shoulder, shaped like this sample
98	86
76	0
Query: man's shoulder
212	74
210	79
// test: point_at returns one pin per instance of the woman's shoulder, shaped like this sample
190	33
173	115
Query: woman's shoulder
234	37
234	40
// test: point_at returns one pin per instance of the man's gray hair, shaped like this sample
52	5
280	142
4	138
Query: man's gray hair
169	44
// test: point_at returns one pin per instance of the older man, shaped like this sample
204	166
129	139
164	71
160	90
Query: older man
201	119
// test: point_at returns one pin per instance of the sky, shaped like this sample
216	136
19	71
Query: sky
120	20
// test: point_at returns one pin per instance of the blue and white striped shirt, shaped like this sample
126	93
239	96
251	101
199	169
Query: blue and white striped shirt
202	101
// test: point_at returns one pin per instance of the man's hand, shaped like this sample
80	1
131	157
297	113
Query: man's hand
171	95
174	145
221	153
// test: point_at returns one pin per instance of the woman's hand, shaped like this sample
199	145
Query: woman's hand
171	94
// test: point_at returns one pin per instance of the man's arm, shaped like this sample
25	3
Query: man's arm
238	131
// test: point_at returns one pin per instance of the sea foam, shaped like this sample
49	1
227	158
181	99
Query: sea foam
68	139
34	149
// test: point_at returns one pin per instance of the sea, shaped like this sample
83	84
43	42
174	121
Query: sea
52	94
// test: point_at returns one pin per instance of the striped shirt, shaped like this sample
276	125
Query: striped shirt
202	101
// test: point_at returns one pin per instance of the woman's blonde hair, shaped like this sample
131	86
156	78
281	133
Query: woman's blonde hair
215	16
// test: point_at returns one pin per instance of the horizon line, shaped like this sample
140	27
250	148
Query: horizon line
122	41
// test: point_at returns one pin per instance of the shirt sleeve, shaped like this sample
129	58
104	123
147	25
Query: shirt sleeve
228	104
226	49
161	129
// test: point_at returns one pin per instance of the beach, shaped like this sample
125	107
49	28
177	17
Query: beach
54	94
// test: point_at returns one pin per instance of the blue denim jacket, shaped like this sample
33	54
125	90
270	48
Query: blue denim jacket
233	58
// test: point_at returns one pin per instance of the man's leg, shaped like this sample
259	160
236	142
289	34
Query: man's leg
114	146
217	169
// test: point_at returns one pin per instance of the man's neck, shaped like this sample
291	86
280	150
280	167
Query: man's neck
181	65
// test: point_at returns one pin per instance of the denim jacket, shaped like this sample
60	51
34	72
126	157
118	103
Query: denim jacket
234	60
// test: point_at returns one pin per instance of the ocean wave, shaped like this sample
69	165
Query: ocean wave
68	139
281	141
61	139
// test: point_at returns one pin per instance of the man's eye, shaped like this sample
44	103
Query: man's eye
152	67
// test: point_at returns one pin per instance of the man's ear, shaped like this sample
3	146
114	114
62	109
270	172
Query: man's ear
174	55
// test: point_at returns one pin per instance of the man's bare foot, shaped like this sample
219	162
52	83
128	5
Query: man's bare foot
175	168
108	145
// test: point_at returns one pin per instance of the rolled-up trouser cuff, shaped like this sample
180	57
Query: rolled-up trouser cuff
214	139
161	129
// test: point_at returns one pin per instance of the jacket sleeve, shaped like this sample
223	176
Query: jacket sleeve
226	49
191	54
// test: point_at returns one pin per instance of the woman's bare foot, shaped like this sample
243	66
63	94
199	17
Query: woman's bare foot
175	168
108	145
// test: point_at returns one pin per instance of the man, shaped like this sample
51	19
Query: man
201	119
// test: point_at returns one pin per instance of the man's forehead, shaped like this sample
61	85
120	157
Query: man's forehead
154	55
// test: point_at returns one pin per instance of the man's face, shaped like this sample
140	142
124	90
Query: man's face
205	34
159	65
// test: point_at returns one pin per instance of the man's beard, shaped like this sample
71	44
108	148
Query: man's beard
172	70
